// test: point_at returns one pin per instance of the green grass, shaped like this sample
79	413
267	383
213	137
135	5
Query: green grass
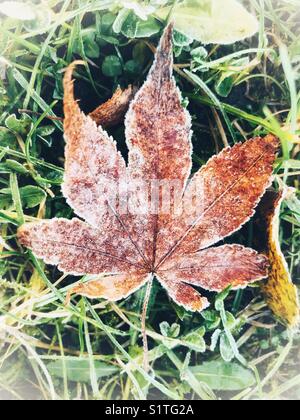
93	349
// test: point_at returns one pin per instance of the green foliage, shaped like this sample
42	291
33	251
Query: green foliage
195	341
19	126
168	330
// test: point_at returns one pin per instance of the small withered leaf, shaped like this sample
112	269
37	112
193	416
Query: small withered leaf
280	292
124	250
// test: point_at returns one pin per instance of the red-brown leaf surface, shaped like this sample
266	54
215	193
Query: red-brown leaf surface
124	241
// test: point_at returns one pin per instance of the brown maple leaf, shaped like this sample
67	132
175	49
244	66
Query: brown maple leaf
125	249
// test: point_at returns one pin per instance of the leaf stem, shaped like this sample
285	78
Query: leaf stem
143	322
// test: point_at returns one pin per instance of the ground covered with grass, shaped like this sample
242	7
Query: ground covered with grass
93	349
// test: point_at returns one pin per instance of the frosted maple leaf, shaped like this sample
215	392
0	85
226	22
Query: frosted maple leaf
125	251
